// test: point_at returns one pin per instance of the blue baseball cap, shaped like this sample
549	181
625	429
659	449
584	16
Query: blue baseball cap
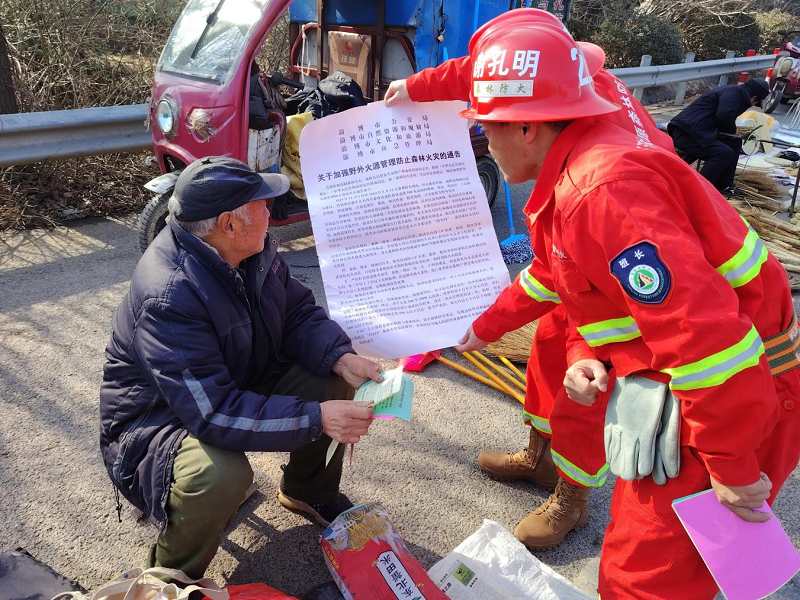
213	185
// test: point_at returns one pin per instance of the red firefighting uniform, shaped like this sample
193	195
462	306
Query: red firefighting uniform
597	196
578	450
660	275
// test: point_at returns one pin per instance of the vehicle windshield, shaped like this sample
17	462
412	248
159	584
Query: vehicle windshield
209	37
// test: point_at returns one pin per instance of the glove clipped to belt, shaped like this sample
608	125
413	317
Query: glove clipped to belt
642	430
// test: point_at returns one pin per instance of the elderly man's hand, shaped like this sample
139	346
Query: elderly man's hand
584	380
357	370
470	342
397	93
345	421
742	499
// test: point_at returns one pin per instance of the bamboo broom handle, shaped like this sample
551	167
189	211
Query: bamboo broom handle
500	370
472	374
510	365
494	377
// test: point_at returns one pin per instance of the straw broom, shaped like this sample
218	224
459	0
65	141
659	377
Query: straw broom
762	183
515	345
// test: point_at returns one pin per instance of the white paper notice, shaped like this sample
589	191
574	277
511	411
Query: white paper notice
408	254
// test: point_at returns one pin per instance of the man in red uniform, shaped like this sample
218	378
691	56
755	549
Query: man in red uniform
663	280
576	460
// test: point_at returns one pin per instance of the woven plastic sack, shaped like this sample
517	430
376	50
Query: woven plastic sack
492	563
369	561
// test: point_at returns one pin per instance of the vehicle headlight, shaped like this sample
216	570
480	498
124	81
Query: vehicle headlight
167	116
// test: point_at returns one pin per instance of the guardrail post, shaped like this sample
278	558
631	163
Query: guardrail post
723	79
680	93
646	60
743	75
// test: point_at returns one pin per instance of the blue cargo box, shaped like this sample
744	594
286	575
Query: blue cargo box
438	29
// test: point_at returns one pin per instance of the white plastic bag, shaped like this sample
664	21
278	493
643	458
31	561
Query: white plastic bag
492	563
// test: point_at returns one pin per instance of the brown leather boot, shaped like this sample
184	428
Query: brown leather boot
534	463
566	509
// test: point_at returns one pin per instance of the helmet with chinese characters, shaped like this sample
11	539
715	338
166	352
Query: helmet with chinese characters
531	72
595	55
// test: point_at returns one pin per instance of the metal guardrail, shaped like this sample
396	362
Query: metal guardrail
53	135
34	137
641	77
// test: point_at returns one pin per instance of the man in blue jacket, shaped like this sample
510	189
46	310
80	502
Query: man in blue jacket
216	351
706	129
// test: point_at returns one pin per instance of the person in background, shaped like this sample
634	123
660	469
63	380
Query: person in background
706	130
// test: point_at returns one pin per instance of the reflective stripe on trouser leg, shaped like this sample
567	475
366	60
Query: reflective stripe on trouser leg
546	367
577	448
576	475
539	423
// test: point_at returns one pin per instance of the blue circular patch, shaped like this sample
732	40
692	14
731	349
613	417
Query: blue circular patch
642	273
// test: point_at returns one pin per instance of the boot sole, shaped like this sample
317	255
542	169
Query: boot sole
301	508
547	547
505	479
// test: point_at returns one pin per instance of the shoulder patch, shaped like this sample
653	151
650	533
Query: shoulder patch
642	273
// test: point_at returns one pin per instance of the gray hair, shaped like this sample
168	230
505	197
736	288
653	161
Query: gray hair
202	228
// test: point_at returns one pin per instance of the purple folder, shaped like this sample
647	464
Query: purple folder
747	560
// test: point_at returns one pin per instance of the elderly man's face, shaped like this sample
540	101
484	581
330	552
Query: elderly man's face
250	238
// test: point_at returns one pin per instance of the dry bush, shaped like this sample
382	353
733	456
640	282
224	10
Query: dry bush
274	54
769	23
625	32
77	54
47	194
82	53
711	36
626	41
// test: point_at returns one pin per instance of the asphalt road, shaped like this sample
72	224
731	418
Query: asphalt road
58	289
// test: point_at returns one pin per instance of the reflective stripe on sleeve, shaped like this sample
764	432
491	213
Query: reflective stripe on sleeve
235	422
746	263
610	331
536	290
718	368
577	474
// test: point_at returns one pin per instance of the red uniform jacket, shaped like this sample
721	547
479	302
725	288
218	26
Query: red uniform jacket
658	273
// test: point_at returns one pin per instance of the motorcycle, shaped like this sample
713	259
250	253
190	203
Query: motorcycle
784	76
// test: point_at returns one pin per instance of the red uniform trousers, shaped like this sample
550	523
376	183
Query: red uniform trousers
646	552
576	431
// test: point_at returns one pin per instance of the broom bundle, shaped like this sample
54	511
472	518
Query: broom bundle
758	184
515	345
